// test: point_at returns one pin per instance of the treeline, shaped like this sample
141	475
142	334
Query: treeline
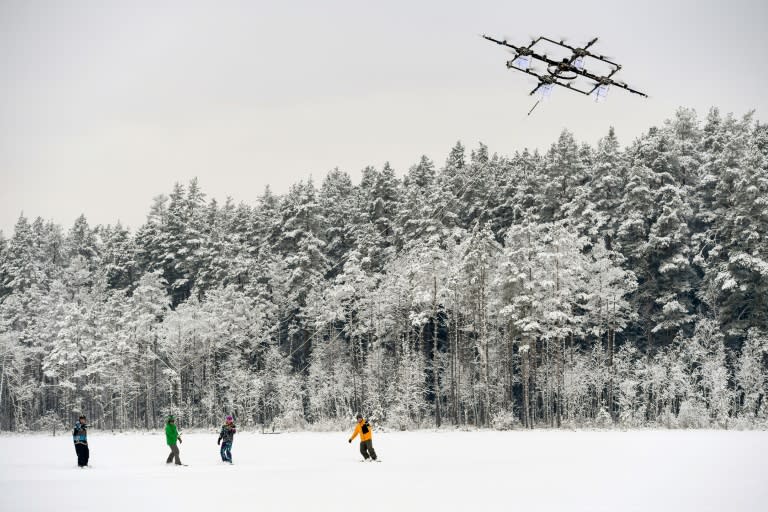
589	285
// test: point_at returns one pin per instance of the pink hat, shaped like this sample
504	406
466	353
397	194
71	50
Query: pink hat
229	419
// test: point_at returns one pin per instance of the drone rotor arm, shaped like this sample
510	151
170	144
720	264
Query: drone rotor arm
627	88
534	41
621	85
540	78
594	88
559	43
502	43
587	74
570	87
538	86
603	58
590	43
544	58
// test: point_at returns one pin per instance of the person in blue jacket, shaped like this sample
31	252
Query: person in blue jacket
80	437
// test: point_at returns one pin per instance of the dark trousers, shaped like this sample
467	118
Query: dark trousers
366	448
82	454
173	455
226	451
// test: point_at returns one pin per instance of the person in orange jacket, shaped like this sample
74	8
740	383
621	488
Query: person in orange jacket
366	438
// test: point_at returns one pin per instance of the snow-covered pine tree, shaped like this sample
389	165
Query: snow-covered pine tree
302	248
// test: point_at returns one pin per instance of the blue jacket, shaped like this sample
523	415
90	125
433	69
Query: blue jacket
80	434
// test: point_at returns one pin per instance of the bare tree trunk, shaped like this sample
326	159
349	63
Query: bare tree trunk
154	381
457	372
510	367
611	408
532	365
526	387
212	384
452	373
547	391
361	352
560	382
435	366
484	334
2	378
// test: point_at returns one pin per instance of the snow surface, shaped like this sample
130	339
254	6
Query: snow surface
520	470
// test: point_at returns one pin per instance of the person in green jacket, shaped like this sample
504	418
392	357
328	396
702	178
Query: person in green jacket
171	435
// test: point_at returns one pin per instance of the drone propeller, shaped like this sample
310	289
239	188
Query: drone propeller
590	43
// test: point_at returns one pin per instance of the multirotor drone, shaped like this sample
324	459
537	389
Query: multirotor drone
569	72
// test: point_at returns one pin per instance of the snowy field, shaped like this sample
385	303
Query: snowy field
523	471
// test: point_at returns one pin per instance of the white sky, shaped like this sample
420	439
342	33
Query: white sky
103	105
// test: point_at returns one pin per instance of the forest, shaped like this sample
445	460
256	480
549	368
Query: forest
590	286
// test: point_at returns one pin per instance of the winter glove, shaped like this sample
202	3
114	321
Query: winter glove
179	439
218	441
350	441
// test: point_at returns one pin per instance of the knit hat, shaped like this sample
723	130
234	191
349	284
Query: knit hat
229	419
171	417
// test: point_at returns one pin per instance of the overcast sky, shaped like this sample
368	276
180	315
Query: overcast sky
104	105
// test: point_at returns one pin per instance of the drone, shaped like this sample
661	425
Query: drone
564	72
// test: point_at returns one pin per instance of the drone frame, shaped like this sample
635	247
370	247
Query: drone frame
566	65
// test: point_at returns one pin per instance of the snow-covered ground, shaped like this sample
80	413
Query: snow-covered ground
647	471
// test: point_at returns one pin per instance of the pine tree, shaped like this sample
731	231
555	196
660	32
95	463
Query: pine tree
564	171
119	257
740	266
21	268
427	215
386	196
303	252
337	202
82	240
597	203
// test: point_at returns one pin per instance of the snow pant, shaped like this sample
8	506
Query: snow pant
82	454
366	448
226	451
173	455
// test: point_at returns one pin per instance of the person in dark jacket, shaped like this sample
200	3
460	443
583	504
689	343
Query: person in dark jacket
226	436
80	437
171	436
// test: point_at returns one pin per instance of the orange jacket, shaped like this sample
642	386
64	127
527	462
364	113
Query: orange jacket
364	436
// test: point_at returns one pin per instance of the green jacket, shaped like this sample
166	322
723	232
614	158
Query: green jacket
171	433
